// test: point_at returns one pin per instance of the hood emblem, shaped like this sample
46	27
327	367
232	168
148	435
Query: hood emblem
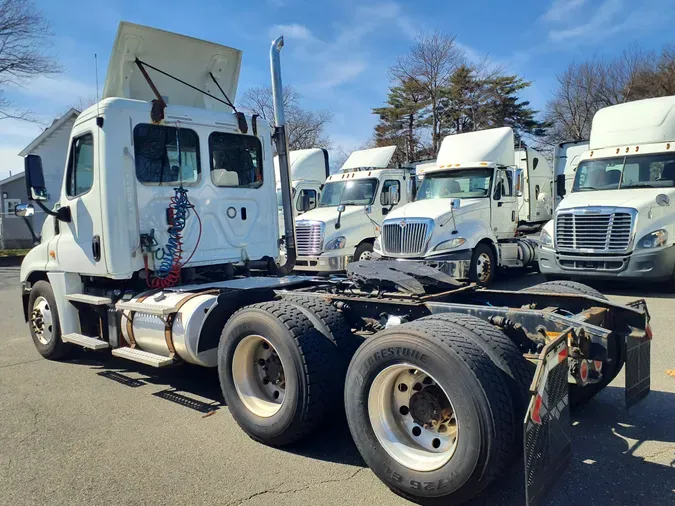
592	210
402	224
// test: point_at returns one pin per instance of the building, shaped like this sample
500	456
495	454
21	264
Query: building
51	145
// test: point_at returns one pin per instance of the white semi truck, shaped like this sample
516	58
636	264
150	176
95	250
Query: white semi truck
354	202
469	206
566	158
309	170
618	221
161	251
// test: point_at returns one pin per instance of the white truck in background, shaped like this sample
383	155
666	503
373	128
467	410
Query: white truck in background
468	208
353	204
618	220
309	170
566	158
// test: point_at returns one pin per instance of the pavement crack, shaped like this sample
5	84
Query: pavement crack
238	502
659	453
21	363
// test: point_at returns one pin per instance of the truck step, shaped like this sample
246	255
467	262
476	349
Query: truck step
150	308
91	343
142	357
93	300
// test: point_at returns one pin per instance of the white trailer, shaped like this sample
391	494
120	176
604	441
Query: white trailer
468	208
161	251
354	202
617	221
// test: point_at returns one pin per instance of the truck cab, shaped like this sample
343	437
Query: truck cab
566	158
309	170
617	221
353	204
466	213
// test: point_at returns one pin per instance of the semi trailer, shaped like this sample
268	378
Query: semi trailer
618	221
471	207
161	251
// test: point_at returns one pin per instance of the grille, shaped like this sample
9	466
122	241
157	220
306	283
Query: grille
606	232
405	237
309	237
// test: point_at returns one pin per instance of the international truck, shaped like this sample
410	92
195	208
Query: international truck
161	251
354	202
469	206
309	170
617	221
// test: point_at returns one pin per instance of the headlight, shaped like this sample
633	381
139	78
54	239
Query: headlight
451	244
377	245
654	240
545	239
337	243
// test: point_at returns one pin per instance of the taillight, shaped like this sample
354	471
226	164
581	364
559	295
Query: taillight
648	331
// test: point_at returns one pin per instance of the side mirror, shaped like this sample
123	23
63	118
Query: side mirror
24	210
385	198
35	179
520	181
341	208
498	191
367	209
560	185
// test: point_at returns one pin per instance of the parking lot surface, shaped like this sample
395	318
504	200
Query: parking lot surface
99	430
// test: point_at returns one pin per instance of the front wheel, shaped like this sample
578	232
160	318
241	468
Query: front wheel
364	252
44	323
429	412
483	265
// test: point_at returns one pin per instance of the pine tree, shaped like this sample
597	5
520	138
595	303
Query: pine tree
400	119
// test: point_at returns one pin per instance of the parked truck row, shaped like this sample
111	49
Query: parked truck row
164	248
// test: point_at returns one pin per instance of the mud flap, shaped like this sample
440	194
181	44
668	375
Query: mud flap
547	423
638	359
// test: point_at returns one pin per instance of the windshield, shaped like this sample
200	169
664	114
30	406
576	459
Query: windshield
625	172
354	192
455	184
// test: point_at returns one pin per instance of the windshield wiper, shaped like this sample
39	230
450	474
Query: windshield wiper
638	185
587	188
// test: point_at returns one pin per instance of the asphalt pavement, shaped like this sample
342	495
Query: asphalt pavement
99	430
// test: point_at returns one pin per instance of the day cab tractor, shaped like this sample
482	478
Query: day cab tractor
162	247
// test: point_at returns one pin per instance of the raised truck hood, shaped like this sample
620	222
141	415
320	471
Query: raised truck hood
377	158
642	198
192	60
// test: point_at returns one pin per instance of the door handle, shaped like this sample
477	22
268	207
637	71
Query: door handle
500	204
96	247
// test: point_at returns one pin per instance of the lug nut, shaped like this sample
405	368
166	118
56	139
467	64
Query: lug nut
266	380
404	410
416	431
417	387
261	362
402	387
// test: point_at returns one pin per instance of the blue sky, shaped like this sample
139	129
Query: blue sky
338	51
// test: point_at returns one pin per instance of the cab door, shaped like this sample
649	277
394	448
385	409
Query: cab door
504	205
79	247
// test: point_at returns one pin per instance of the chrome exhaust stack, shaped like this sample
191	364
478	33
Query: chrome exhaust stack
281	142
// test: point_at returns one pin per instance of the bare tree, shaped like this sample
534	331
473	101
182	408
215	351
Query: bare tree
23	39
430	64
305	129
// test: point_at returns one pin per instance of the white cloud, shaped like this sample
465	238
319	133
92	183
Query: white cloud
291	31
61	91
335	74
600	25
561	10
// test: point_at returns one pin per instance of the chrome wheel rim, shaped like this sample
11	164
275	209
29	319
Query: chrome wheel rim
258	375
483	267
366	255
413	418
41	320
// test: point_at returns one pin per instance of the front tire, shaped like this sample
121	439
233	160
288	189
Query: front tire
364	252
429	412
483	265
44	322
277	372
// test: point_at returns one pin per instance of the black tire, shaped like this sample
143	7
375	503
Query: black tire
482	249
581	395
568	287
55	348
517	371
475	387
310	363
364	247
330	322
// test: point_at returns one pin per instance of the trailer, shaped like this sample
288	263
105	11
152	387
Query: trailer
161	251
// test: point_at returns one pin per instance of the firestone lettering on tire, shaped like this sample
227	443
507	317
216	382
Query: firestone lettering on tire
396	351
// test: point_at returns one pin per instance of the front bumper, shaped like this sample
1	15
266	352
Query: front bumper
326	262
655	265
456	264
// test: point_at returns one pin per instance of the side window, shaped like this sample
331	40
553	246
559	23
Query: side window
80	166
390	183
236	160
536	192
166	155
306	194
